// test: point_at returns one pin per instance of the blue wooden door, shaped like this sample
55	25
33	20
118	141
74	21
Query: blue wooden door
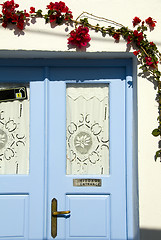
96	201
97	212
22	211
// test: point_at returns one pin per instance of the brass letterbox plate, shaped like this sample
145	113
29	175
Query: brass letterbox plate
87	182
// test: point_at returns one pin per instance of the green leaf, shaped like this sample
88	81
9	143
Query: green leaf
156	132
46	20
84	21
97	27
39	13
158	73
158	153
144	28
138	29
59	20
50	12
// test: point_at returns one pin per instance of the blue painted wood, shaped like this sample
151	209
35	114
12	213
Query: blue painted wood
36	178
15	188
87	73
92	210
73	61
56	151
47	176
13	216
21	74
113	185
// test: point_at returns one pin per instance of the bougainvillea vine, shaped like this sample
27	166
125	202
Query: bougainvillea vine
58	13
79	37
11	15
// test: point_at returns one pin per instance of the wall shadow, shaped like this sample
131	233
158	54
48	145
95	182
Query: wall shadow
150	234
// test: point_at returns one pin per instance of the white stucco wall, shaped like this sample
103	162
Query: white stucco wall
41	36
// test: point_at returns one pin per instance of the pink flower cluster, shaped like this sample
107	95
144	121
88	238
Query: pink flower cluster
10	15
59	10
32	10
136	52
150	62
79	37
149	21
116	36
137	36
136	21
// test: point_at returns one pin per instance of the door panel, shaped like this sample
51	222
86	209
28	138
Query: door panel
100	211
14	216
90	216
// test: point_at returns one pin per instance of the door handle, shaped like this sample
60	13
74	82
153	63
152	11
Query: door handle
61	213
54	214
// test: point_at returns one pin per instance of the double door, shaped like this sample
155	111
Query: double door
67	176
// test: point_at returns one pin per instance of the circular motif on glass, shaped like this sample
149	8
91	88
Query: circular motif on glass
3	139
83	142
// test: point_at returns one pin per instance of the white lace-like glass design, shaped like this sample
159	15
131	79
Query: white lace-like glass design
14	134
87	129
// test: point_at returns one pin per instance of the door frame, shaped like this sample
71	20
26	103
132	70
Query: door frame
21	58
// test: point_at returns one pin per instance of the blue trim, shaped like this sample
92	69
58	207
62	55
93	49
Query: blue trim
40	69
46	207
64	62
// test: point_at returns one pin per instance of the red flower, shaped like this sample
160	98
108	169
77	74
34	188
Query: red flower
68	16
15	18
79	37
32	10
148	61
10	5
129	39
20	24
58	6
136	21
26	14
116	36
60	11
150	22
138	36
136	52
151	63
10	15
135	33
152	44
4	24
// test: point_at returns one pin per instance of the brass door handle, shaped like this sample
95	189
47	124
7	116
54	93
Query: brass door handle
61	213
54	214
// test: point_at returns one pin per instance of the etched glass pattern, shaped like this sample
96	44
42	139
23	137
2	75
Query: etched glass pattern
14	135
87	129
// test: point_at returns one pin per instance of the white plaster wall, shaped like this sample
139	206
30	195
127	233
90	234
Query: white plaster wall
41	36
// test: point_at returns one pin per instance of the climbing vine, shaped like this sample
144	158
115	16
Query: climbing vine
58	13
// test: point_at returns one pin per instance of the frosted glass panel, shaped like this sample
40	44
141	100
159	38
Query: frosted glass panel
14	131
87	129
